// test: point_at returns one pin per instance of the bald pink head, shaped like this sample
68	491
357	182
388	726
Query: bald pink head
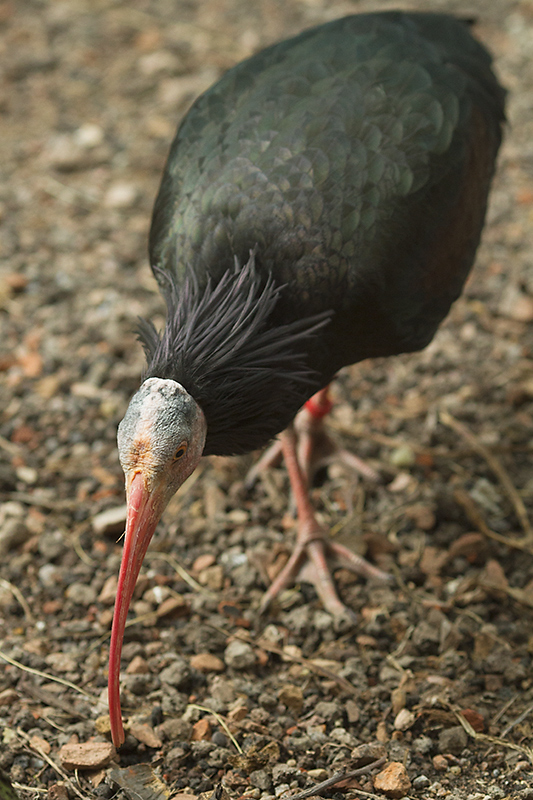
160	441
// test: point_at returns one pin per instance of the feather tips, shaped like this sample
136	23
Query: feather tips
249	376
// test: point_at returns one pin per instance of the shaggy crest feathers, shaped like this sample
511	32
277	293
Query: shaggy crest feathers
219	345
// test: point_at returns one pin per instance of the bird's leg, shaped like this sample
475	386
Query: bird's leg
315	446
313	552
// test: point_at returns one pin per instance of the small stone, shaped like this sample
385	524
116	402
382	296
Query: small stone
239	655
292	697
318	774
328	710
440	763
61	662
38	743
138	666
474	718
342	736
12	534
159	61
8	697
52	545
176	674
120	195
366	753
110	522
516	305
352	711
201	730
262	779
207	662
422	745
382	734
393	781
421	782
58	791
398	698
145	733
203	562
175	729
404	720
89	135
108	592
175	605
103	724
90	755
403	456
237	713
212	577
81	594
453	740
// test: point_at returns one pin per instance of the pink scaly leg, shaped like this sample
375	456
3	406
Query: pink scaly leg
314	552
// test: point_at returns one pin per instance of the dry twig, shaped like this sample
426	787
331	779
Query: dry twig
495	465
337	778
46	675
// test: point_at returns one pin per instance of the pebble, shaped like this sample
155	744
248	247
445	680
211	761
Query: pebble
91	755
175	729
8	697
292	697
261	779
421	782
145	733
393	781
61	662
81	594
328	710
201	730
38	743
367	753
403	457
138	666
203	562
207	662
404	720
176	674
58	791
110	522
453	740
51	545
422	745
440	763
12	534
120	195
342	736
89	135
239	655
212	577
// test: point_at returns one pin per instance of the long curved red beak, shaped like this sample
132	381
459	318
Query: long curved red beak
144	511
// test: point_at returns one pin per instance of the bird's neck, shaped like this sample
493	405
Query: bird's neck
247	370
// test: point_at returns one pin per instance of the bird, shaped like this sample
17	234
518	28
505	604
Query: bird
321	204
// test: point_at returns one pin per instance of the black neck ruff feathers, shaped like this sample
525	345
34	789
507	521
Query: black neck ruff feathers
248	376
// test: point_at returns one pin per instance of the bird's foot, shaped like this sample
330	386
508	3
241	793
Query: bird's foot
313	558
314	554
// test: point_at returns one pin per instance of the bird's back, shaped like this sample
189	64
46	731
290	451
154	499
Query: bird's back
355	160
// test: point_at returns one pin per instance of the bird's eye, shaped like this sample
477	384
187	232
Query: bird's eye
180	452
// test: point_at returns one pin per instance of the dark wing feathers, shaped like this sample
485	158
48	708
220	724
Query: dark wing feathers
355	161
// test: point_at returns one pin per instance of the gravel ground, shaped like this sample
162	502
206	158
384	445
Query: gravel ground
436	677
